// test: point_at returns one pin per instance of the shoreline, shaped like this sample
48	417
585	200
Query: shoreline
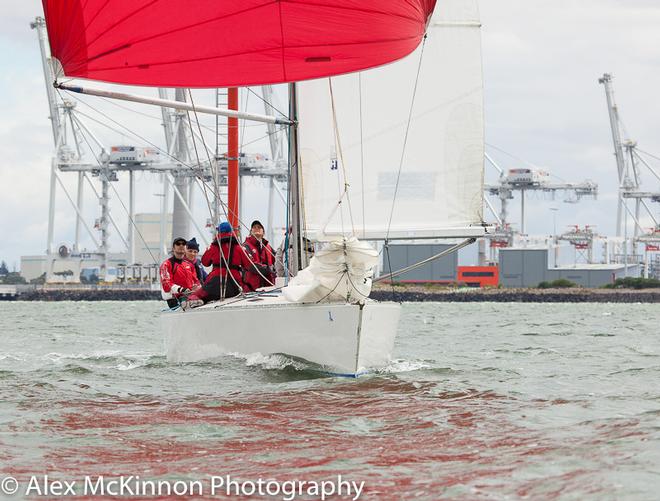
382	292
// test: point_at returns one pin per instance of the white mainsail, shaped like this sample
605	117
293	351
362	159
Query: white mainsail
440	192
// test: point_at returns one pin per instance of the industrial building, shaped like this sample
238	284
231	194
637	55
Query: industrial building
529	267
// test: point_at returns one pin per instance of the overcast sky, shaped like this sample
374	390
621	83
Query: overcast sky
543	105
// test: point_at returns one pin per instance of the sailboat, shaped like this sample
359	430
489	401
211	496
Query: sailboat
386	143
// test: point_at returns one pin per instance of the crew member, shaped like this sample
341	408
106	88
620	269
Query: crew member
177	275
260	272
224	253
192	251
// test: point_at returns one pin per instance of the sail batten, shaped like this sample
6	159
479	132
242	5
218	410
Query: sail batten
211	43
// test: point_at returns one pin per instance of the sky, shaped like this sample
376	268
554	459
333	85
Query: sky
543	107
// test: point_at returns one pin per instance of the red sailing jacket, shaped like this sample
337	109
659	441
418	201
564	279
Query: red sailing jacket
177	272
232	254
262	255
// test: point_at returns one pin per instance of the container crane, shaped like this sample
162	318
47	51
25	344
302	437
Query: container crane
527	179
628	163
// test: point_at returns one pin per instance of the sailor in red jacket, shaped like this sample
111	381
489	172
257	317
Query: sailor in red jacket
177	275
220	284
260	273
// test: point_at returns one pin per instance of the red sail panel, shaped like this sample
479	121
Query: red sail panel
217	43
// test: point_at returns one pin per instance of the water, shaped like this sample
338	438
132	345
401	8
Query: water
483	401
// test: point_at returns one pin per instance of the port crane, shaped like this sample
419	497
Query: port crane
177	165
525	180
628	161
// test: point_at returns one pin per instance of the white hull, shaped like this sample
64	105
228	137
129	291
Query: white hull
342	338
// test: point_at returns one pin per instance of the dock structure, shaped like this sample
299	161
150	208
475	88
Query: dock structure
8	292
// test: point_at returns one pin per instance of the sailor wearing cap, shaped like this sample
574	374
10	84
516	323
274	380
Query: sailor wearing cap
178	278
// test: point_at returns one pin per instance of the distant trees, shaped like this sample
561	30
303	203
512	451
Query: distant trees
560	283
4	271
40	280
634	283
12	278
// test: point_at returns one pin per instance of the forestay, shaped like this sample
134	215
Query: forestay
440	193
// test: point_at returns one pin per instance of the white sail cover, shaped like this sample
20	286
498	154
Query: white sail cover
341	271
440	190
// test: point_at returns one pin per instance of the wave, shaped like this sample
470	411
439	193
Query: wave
401	365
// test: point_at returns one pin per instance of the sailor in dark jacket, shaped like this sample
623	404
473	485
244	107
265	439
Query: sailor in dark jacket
192	251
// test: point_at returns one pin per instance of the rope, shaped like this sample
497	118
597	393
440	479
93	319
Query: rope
269	104
343	165
220	253
197	176
234	233
405	139
153	258
364	231
427	260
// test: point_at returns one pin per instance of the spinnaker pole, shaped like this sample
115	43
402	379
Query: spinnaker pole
166	103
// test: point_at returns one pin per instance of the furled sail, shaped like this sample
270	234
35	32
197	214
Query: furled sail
440	188
216	43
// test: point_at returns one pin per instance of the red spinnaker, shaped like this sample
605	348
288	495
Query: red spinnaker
221	43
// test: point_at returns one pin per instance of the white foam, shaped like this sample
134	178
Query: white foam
402	365
269	362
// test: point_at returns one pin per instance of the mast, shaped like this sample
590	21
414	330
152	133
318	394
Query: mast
294	183
233	179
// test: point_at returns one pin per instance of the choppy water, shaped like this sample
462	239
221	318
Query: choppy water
483	401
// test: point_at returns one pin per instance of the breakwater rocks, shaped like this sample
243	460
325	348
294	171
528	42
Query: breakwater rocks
410	294
100	294
381	292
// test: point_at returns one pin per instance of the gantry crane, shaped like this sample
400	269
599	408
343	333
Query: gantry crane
528	179
628	163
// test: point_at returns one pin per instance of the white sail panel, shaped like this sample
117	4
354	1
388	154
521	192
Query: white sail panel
440	190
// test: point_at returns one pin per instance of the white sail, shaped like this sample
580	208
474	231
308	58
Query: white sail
440	190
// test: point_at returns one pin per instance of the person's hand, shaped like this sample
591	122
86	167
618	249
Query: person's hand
177	289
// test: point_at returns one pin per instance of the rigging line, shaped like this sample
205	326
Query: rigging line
208	203
364	229
343	165
196	175
350	280
511	155
301	202
147	115
192	136
208	156
234	233
450	250
132	221
405	138
389	265
242	133
287	232
135	134
269	104
341	277
198	179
